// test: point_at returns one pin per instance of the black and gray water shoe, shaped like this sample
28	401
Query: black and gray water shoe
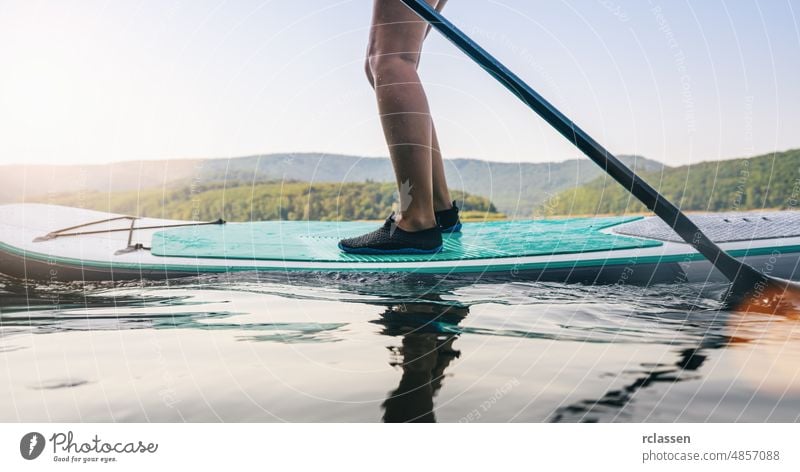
391	239
448	220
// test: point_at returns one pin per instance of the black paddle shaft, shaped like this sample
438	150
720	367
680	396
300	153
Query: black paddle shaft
672	215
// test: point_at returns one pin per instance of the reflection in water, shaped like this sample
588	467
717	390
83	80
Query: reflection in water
771	365
43	310
426	351
613	402
427	318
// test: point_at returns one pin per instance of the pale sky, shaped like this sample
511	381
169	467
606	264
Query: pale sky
678	81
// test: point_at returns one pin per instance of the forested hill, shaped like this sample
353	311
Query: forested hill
519	190
516	188
768	181
239	201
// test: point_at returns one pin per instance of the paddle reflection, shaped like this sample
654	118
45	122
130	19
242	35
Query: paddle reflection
612	404
770	365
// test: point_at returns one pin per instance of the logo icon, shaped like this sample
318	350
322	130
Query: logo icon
31	445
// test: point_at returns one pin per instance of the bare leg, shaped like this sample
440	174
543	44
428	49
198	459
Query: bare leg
441	195
394	49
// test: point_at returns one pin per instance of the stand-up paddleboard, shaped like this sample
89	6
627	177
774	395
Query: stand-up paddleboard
48	242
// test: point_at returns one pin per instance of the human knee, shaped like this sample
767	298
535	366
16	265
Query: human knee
383	68
368	71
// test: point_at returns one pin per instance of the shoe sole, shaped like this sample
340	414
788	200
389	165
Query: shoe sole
378	252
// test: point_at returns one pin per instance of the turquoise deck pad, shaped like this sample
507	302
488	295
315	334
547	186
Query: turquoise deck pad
316	241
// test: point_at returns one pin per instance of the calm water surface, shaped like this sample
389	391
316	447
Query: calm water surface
335	348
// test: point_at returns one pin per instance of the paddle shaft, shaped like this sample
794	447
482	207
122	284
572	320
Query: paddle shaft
663	208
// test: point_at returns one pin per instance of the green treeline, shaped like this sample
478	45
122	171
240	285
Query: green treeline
239	201
768	181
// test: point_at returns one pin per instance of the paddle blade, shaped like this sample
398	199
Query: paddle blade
771	296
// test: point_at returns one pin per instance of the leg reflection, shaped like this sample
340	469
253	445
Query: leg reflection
428	331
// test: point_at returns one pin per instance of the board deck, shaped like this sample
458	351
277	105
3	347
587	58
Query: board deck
317	241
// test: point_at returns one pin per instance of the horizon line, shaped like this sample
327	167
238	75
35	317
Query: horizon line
336	154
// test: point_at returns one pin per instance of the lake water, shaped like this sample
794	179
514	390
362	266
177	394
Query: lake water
328	348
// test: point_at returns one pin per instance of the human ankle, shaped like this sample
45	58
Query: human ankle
414	223
442	205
